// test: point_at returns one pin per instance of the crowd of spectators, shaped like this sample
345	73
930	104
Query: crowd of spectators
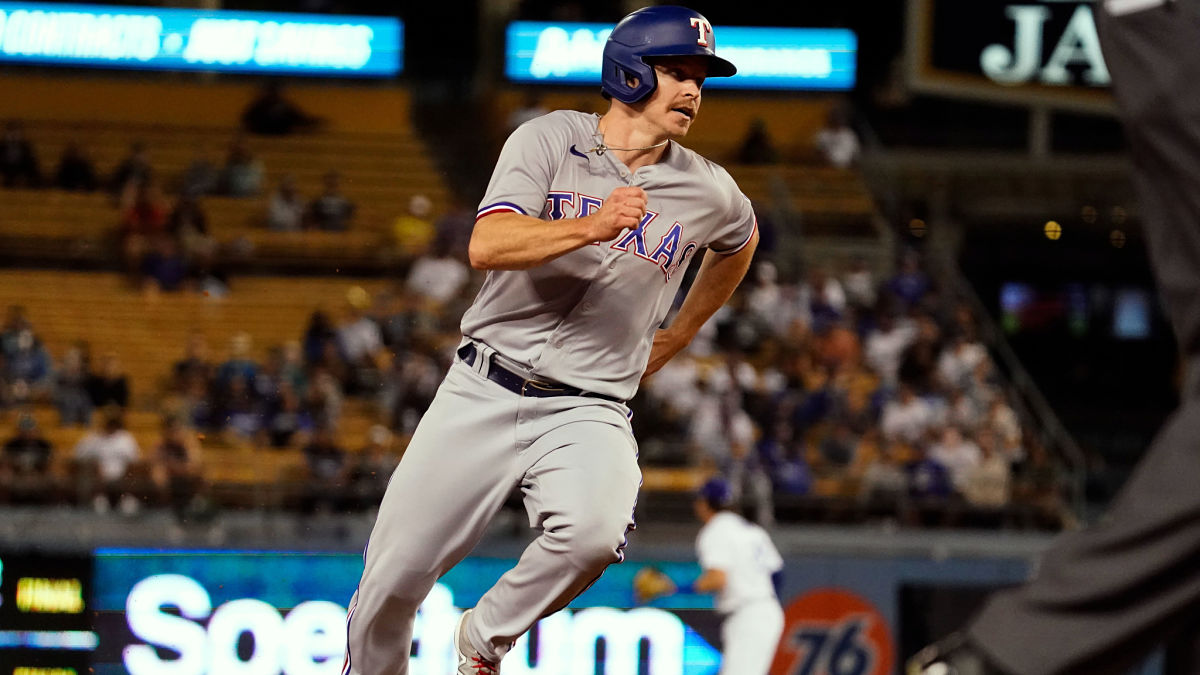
838	393
835	144
879	397
837	396
163	237
864	397
286	402
75	385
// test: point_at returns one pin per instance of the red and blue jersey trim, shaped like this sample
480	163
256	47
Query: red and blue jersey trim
740	246
346	663
500	207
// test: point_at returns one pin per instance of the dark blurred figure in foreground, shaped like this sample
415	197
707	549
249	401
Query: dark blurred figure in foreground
1106	596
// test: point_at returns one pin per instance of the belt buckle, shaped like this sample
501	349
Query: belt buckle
539	385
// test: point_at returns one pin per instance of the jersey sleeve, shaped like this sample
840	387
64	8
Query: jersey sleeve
739	223
523	172
713	551
771	560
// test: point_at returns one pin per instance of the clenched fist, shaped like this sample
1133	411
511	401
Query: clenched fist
623	210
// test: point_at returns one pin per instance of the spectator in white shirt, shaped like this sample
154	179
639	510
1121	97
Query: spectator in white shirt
885	345
962	411
823	295
360	340
1002	419
676	385
359	337
988	484
720	429
958	361
859	284
111	449
837	142
907	417
958	454
285	209
763	299
438	276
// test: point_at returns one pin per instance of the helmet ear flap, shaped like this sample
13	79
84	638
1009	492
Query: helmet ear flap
640	84
618	75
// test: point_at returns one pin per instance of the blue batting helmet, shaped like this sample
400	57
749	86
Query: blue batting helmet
716	492
656	31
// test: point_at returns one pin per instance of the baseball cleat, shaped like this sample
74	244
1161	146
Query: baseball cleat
469	660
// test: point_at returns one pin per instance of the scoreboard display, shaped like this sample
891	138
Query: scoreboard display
45	615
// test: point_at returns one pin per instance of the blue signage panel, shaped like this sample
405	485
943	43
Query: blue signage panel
163	611
766	58
155	38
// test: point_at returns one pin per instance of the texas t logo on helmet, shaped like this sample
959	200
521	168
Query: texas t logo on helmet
705	28
651	32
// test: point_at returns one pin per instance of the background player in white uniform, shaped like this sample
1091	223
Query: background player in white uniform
742	566
586	228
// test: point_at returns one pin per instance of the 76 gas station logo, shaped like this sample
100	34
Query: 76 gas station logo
833	632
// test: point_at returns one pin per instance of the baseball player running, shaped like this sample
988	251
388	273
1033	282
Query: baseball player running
743	567
586	228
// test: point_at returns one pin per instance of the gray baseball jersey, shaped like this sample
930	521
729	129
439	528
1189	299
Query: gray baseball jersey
587	318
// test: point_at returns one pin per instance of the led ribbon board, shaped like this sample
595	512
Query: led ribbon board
792	59
154	38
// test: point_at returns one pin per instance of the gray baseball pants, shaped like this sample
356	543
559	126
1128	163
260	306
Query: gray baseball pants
575	460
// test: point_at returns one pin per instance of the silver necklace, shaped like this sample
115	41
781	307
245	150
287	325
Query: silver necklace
601	148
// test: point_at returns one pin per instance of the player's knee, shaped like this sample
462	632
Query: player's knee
595	545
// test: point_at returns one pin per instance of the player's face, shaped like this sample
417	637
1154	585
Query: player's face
676	101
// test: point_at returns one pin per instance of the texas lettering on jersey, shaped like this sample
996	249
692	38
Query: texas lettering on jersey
667	254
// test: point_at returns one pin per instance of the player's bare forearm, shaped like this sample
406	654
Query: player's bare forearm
511	241
718	277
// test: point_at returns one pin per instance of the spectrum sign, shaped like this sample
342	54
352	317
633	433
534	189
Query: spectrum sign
156	38
279	613
766	58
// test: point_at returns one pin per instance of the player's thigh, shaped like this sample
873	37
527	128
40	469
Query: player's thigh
750	637
459	467
585	474
464	439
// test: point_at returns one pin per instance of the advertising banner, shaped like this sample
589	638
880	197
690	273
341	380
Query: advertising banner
766	58
222	612
158	38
